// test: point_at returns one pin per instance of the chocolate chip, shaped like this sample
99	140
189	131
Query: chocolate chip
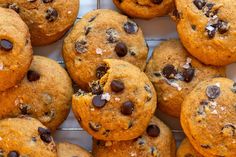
117	86
213	91
13	154
14	7
121	49
47	1
6	45
188	155
157	74
169	71
33	76
188	74
153	130
193	27
96	88
51	14
98	102
157	1
94	126
25	109
223	26
101	71
199	3
45	134
112	35
127	108
81	46
211	31
233	89
131	27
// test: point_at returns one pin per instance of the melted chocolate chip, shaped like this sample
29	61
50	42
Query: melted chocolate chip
130	27
169	71
6	45
153	130
13	154
199	3
81	46
33	76
188	74
223	26
127	108
98	102
112	35
94	126
117	86
121	49
47	1
101	71
213	91
96	88
51	14
14	7
157	1
45	134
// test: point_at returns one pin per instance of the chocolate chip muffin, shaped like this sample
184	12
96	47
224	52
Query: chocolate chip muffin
23	137
145	9
186	150
174	73
120	105
99	35
156	141
207	29
48	20
15	49
45	93
208	118
71	150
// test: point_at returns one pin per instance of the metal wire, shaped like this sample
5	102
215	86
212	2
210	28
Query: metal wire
62	63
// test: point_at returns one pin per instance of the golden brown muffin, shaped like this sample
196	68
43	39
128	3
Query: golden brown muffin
186	150
25	137
15	49
45	93
48	20
121	104
71	150
208	118
207	29
99	35
174	73
156	141
145	9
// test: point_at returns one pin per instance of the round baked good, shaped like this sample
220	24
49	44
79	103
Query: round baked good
186	150
120	105
208	118
65	149
145	9
99	35
207	29
25	136
15	49
48	20
156	141
45	93
174	73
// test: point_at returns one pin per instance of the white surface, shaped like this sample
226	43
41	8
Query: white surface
155	30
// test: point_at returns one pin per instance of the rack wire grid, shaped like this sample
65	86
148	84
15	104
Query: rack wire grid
70	130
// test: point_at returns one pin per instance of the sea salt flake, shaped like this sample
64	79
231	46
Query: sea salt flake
99	51
218	84
106	96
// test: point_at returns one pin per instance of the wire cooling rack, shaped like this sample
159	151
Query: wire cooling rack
70	130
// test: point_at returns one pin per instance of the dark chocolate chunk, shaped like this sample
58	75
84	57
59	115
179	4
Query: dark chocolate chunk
112	35
96	88
131	27
33	76
188	74
101	71
199	3
81	46
223	26
169	71
153	130
45	134
51	14
98	102
211	31
213	91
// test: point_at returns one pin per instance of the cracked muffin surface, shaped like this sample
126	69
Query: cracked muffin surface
120	105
